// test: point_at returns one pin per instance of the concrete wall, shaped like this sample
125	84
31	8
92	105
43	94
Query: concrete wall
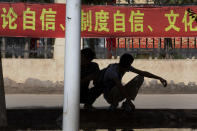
49	72
34	73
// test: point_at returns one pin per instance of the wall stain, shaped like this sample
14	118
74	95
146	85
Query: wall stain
32	85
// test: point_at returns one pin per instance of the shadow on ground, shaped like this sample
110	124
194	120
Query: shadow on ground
45	119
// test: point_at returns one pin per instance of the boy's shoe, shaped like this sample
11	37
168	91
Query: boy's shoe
89	107
113	107
128	106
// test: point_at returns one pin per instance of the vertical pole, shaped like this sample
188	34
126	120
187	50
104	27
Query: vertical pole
153	55
125	44
45	48
72	66
105	49
188	52
181	44
3	51
3	114
26	49
118	48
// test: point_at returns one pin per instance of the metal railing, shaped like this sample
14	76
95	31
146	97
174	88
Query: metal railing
145	48
12	47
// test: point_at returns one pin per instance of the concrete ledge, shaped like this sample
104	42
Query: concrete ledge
45	119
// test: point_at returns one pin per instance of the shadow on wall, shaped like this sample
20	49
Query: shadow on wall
32	86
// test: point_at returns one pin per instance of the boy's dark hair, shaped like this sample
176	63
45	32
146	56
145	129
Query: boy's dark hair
126	60
88	53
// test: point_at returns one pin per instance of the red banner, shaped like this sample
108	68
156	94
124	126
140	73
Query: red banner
48	20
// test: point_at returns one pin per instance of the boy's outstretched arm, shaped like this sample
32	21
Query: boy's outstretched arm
149	75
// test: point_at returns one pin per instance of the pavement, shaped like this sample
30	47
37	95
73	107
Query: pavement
40	112
153	101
